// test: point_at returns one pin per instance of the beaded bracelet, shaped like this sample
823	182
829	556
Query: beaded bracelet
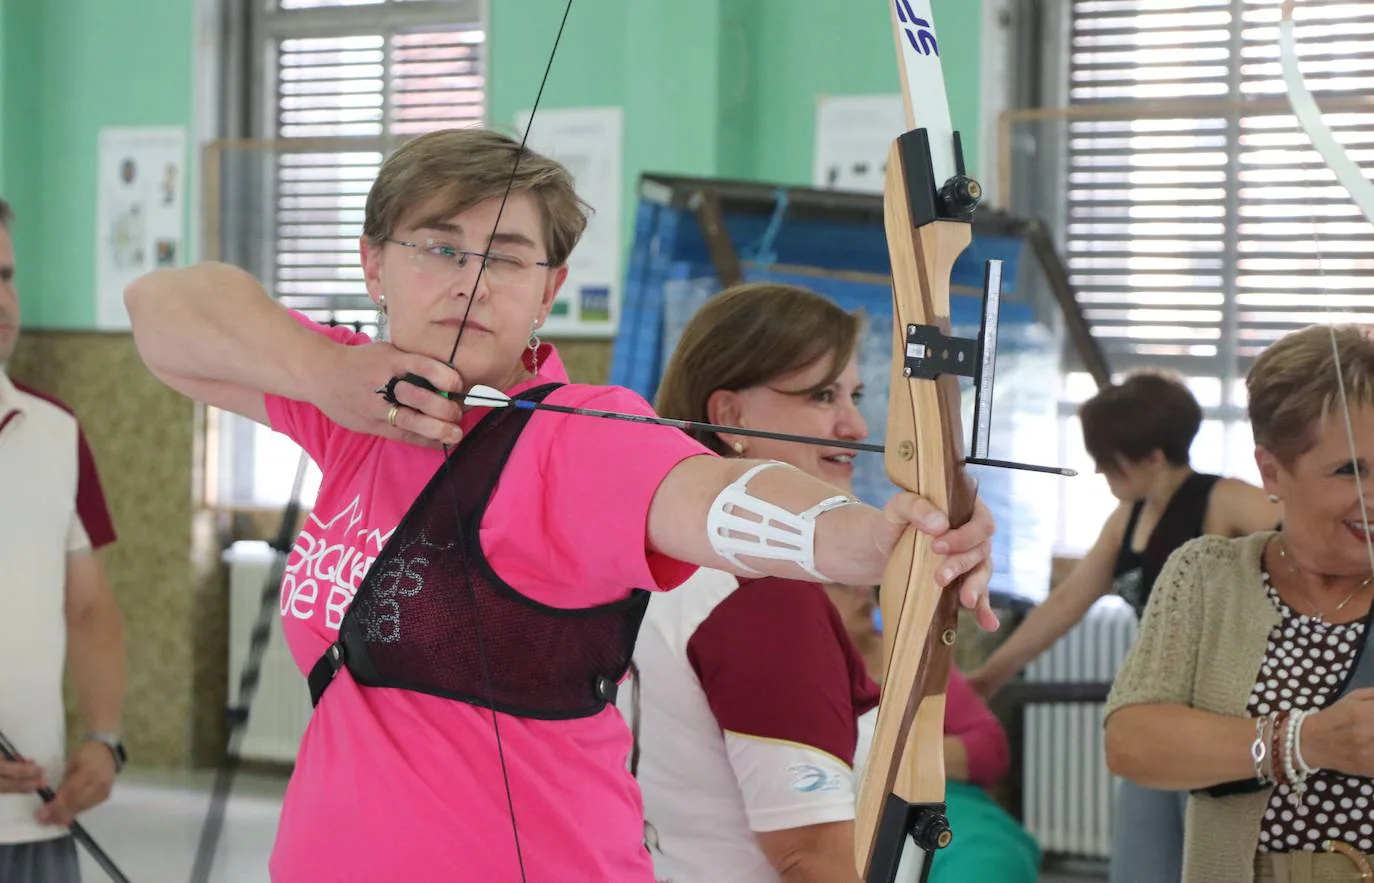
1276	757
1290	768
1297	745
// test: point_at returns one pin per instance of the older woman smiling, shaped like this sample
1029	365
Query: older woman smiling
1243	684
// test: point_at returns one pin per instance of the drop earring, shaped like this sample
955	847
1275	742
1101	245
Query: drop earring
381	314
533	346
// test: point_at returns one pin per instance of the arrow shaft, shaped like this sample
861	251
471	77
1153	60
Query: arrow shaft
1024	467
693	424
526	404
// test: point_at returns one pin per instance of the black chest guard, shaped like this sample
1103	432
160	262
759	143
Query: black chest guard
432	616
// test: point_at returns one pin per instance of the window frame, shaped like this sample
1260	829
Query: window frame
235	447
1246	100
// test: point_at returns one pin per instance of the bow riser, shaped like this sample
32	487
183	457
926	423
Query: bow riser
924	454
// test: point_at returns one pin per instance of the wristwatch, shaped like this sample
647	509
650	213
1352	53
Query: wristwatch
110	741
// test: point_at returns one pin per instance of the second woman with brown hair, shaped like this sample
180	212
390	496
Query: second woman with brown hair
751	705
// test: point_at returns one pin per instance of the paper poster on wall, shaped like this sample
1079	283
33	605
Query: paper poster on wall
140	212
588	142
853	135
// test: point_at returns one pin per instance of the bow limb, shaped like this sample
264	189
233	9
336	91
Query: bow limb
903	786
1347	171
467	574
906	761
1350	176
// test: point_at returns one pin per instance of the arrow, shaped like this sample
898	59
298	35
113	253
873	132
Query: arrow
490	397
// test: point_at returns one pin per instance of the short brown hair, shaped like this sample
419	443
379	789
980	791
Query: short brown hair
750	335
6	214
445	172
1148	411
1295	384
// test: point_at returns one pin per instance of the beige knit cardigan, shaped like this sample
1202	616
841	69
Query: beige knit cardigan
1201	642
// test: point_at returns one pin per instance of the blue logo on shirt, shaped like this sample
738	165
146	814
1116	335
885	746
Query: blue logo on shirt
807	778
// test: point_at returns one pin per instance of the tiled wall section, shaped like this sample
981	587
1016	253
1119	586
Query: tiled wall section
587	361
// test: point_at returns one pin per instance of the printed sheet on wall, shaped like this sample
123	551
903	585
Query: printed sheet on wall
140	212
588	142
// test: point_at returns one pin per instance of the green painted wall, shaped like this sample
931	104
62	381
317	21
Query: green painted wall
742	102
4	57
21	128
72	67
843	49
739	102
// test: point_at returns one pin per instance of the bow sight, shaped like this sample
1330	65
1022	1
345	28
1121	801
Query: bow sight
929	351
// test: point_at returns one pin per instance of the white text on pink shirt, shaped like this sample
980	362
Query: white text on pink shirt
333	554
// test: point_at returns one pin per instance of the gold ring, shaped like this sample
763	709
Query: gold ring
391	415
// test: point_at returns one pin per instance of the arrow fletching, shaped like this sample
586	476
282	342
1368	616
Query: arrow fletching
486	397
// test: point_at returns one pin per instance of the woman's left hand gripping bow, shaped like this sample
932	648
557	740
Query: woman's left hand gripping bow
967	549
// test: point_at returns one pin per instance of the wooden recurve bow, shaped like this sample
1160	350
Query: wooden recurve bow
928	208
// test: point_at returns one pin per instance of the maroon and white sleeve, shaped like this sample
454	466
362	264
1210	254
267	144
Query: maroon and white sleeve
786	685
91	525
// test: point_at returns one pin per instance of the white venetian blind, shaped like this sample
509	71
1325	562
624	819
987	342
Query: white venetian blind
1189	219
351	80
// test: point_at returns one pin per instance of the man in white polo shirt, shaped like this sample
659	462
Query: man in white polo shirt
56	607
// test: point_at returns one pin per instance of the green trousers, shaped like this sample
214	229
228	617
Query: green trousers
989	846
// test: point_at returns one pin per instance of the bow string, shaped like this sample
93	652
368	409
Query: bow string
1350	176
467	569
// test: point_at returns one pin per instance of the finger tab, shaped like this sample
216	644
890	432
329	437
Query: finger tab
420	381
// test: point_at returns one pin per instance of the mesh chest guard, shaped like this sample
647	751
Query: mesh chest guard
414	623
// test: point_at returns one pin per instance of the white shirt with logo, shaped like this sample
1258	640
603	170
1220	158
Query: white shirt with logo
751	706
51	506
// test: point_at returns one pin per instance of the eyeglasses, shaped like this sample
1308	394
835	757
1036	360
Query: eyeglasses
499	270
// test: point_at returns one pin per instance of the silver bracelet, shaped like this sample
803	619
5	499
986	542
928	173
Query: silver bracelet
1258	750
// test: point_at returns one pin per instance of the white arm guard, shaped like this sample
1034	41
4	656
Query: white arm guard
742	524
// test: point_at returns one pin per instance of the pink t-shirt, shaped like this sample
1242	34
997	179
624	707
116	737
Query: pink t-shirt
395	785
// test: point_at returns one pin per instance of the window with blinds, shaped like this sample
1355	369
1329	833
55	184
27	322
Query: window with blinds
349	81
1195	207
337	84
1199	224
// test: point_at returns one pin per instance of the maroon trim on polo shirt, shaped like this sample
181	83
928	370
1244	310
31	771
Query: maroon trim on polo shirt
775	662
39	394
90	496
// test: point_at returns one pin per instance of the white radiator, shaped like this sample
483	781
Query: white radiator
281	706
1068	792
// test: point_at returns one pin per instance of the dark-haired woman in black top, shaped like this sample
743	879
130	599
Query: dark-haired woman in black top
1139	433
